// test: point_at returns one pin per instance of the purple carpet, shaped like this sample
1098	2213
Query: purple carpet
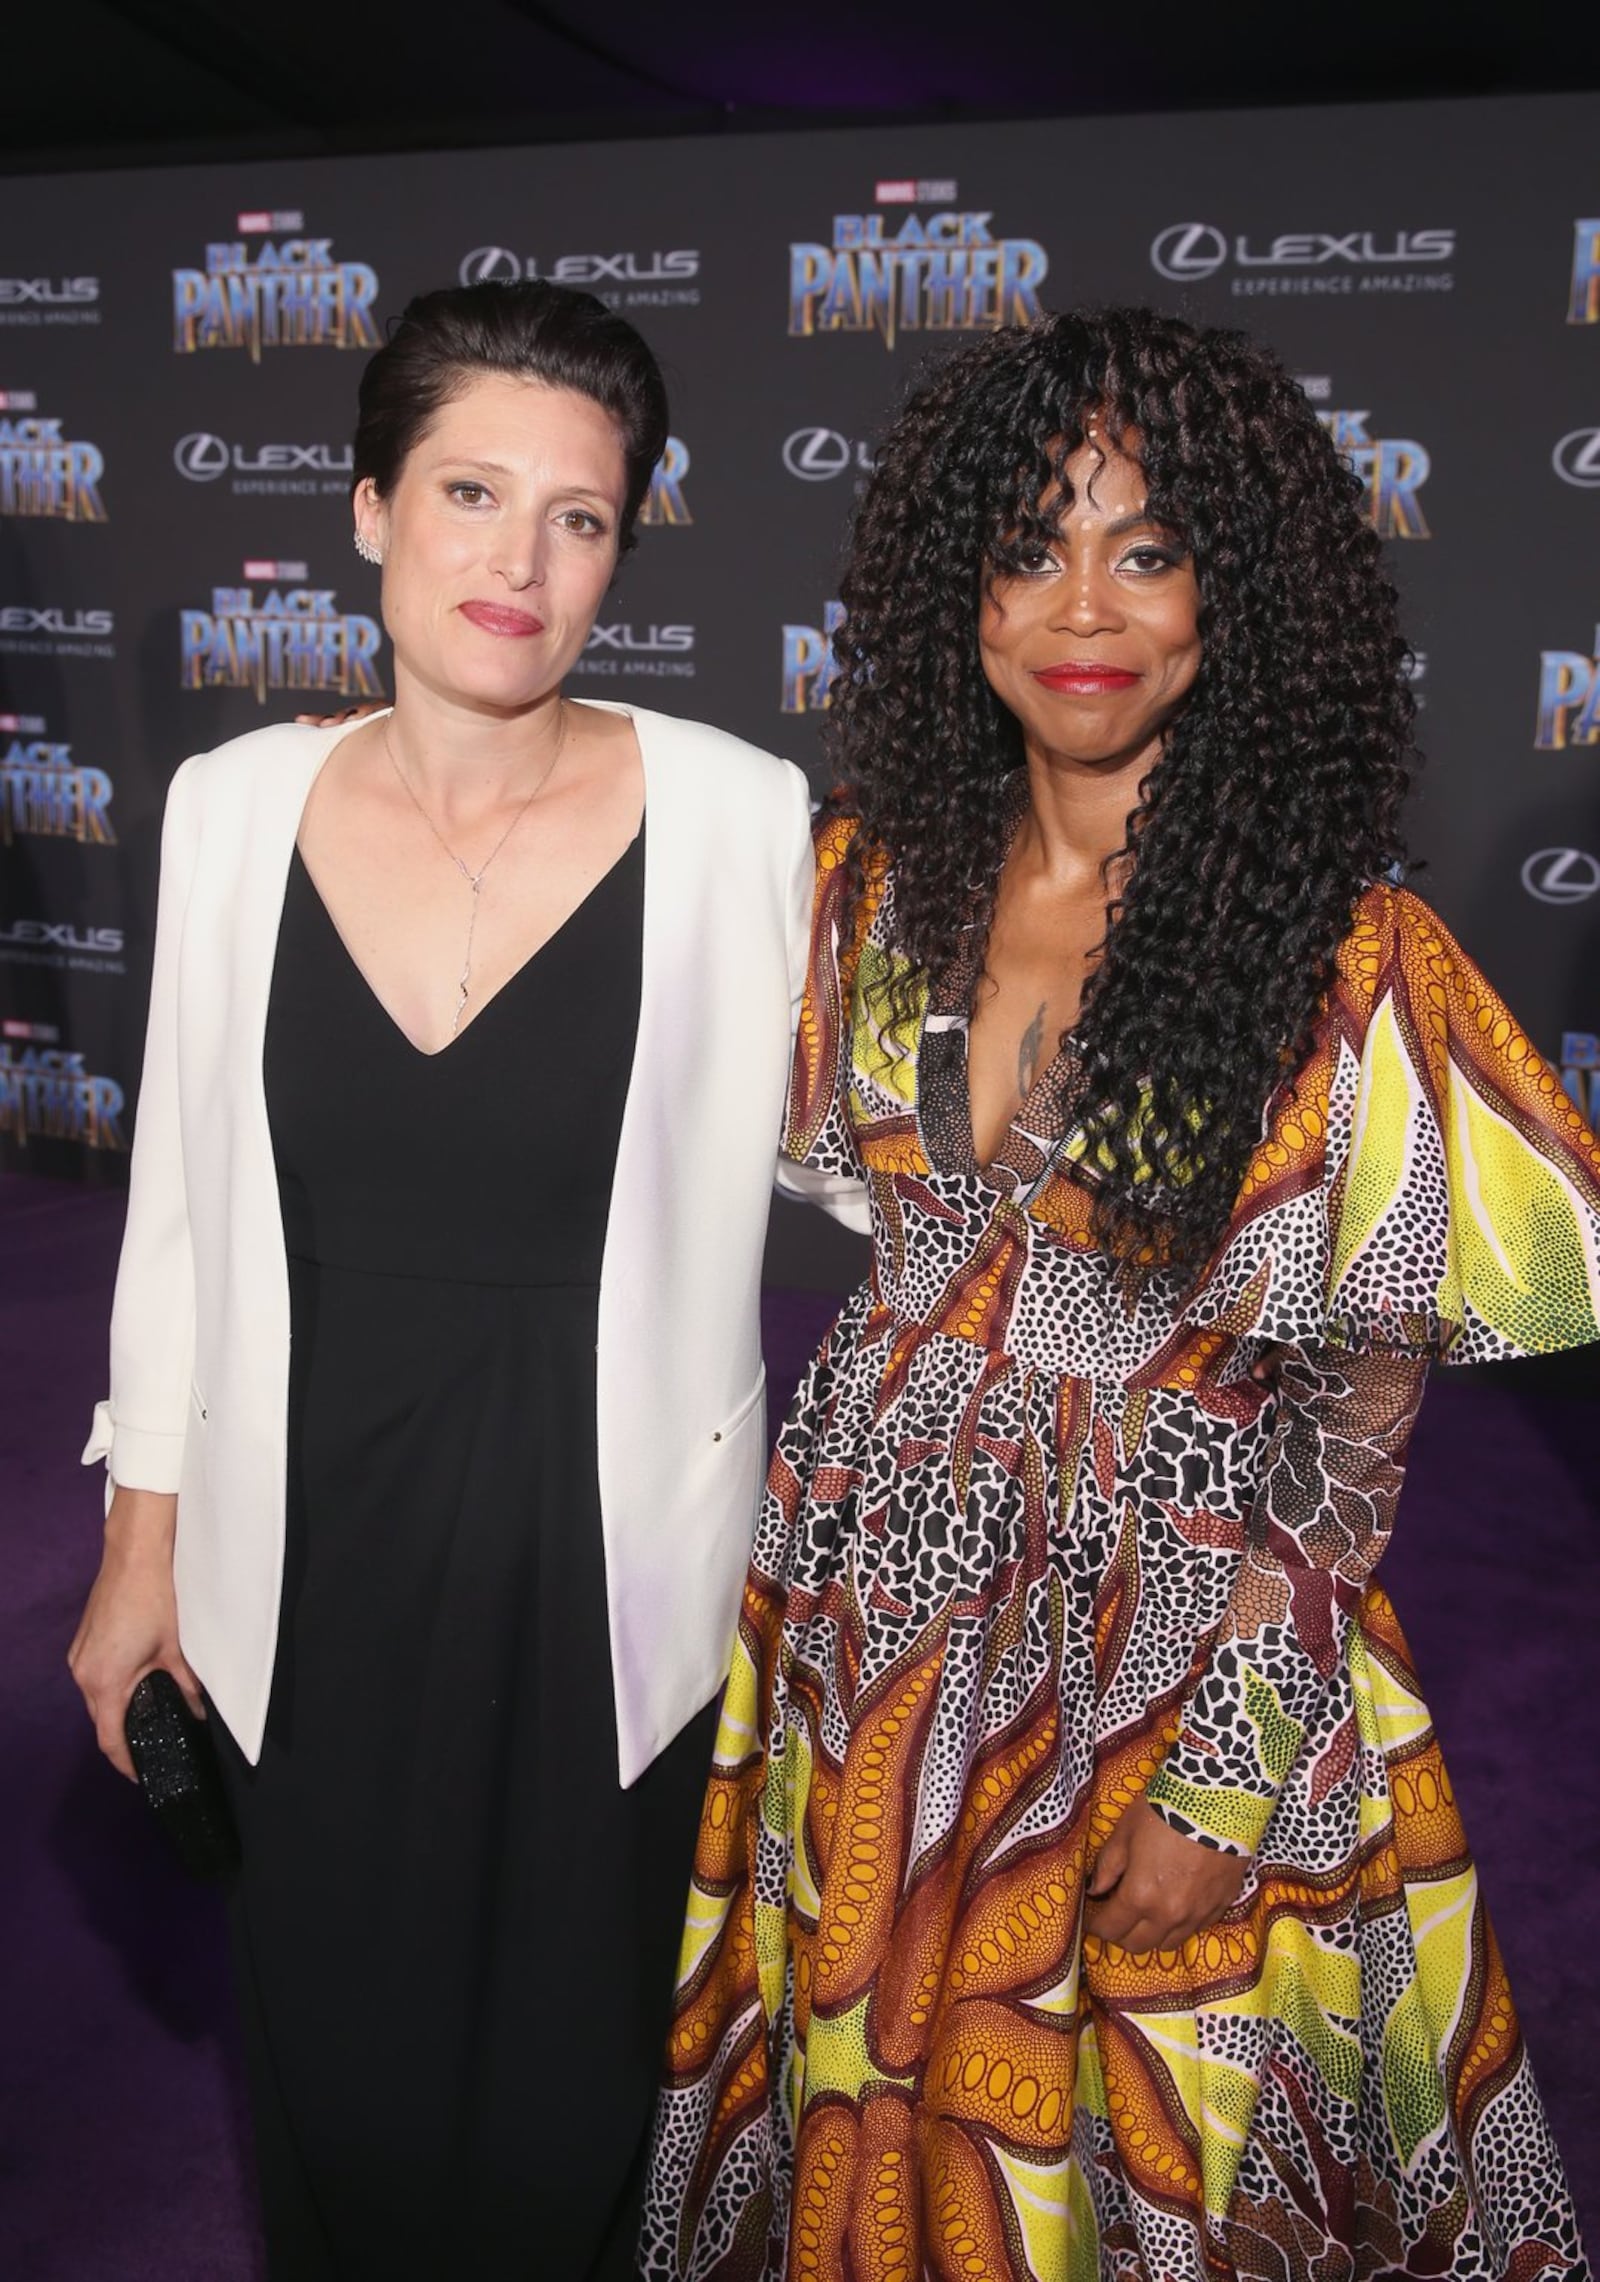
123	2145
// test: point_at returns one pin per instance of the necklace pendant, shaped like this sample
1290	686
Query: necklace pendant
475	879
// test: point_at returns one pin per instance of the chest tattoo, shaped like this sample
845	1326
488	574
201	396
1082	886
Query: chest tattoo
1028	1054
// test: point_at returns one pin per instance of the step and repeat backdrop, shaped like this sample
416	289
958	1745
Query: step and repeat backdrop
179	352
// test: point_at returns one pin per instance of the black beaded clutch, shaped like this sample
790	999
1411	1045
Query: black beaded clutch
176	1763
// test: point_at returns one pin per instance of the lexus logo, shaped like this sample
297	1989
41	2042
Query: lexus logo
1189	250
817	455
200	457
1561	875
26	618
62	935
490	263
1576	459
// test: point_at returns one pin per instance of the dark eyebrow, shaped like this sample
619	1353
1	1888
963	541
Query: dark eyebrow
494	467
1126	523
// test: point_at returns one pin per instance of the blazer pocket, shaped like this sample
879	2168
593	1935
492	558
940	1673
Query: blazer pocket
731	1426
196	1458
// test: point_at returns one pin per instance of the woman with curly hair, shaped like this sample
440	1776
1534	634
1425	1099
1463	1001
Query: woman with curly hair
1079	1890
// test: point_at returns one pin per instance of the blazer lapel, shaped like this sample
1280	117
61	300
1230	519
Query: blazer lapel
279	799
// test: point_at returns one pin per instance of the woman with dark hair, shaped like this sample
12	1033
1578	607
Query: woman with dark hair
436	1425
1079	1889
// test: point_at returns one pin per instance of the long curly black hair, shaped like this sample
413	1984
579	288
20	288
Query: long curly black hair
1278	791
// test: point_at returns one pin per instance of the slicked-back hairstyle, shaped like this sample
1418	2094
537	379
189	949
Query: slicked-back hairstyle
1278	791
530	330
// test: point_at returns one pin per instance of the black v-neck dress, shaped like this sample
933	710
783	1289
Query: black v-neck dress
455	1933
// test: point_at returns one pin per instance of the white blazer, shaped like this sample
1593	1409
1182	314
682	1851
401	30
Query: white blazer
200	1323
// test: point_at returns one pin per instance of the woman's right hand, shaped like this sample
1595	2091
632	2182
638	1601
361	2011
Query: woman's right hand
129	1624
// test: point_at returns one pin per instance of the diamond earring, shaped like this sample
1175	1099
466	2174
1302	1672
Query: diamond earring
366	550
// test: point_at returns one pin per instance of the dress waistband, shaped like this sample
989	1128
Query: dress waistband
469	1275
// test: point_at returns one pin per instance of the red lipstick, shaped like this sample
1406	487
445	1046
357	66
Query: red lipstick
500	618
1086	677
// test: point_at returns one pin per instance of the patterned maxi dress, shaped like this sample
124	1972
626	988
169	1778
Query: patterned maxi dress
1029	1551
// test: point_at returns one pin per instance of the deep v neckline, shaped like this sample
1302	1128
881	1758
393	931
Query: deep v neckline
373	997
1044	1091
1027	1143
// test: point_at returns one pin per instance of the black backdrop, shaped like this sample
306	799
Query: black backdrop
178	357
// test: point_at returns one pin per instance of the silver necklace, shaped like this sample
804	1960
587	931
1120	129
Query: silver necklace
475	879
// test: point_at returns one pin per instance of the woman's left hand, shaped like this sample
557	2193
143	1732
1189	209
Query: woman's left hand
1151	1888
